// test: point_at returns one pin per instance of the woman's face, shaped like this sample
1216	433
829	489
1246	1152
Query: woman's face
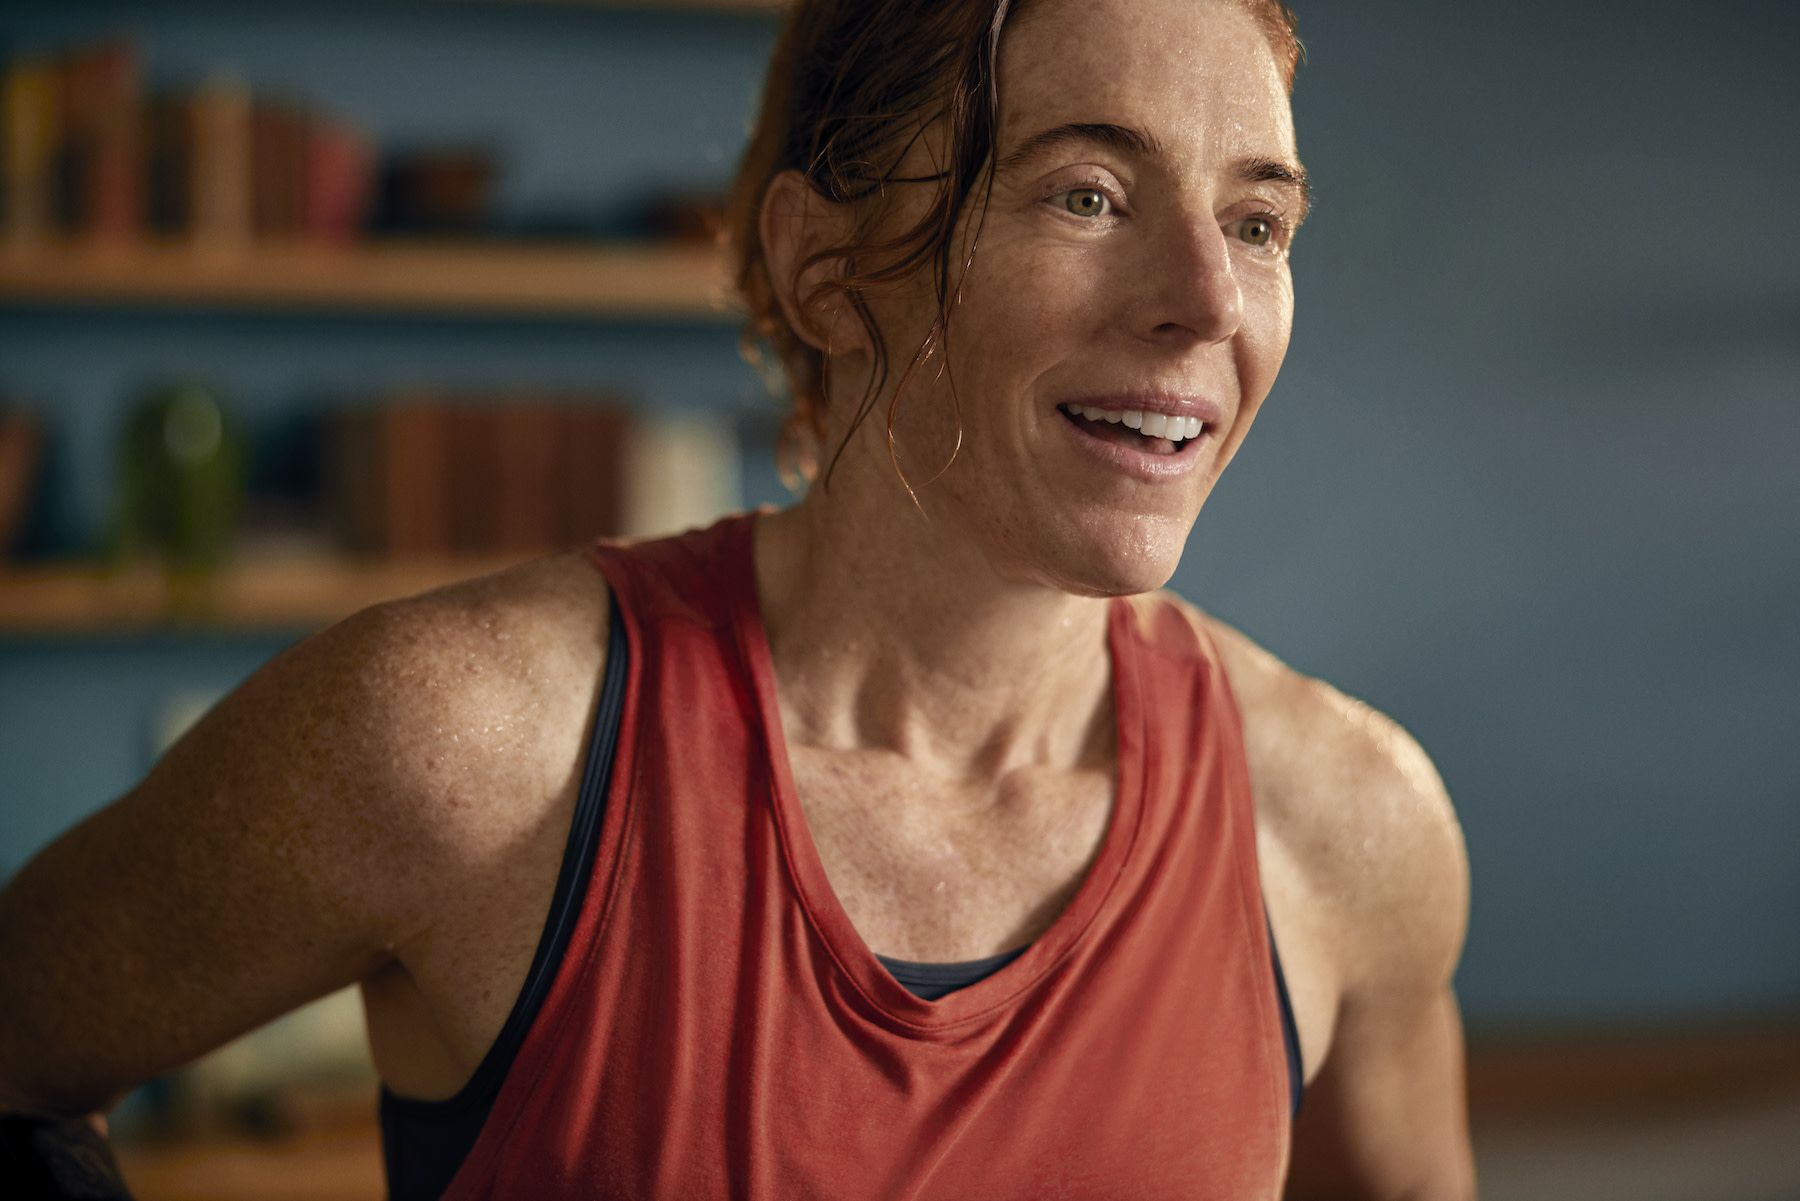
1132	264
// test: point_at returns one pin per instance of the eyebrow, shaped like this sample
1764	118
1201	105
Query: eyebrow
1118	137
1291	176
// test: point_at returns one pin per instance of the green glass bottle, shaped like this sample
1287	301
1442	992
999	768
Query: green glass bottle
182	468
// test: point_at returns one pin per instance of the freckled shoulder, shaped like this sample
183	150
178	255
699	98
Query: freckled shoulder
393	789
1355	812
485	688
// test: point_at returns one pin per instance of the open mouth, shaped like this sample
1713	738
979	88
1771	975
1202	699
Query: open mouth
1150	433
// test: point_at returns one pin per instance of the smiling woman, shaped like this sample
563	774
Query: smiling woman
905	842
1110	188
851	92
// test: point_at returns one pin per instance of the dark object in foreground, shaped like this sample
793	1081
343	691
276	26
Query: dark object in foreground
44	1159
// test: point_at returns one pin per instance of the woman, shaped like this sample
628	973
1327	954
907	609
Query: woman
655	877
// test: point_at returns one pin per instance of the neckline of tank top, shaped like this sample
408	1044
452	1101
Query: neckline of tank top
894	1004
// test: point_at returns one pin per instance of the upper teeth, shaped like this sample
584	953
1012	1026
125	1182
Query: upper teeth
1156	425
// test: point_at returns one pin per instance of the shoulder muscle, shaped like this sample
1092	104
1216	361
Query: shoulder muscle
1360	811
307	826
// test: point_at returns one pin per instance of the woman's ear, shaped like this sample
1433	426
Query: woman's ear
795	223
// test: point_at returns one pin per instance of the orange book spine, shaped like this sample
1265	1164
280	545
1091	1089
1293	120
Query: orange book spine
222	169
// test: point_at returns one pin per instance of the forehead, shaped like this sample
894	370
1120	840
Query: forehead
1198	76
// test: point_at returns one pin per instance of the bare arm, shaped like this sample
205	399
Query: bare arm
1385	1118
308	832
231	885
1367	886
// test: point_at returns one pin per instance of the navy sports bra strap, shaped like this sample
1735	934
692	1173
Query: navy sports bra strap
1290	1031
425	1142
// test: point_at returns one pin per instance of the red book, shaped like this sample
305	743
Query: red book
100	185
337	183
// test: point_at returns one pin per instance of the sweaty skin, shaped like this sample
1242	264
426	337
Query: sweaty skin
387	803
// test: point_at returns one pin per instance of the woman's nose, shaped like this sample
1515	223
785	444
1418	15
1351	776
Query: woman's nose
1188	290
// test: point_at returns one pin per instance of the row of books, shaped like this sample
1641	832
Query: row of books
424	474
89	156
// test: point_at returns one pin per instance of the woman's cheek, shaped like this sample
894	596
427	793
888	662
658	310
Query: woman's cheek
1268	322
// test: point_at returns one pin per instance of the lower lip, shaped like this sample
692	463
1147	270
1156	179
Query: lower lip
1139	463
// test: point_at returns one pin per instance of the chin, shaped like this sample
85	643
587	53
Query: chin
1111	560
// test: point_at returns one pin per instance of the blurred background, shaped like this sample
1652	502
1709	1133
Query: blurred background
272	275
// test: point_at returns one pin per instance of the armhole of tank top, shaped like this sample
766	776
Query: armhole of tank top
1290	1031
426	1142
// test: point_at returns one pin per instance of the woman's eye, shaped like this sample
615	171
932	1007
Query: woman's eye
1087	202
1258	231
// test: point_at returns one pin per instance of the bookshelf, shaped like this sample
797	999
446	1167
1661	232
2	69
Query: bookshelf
622	281
588	300
294	594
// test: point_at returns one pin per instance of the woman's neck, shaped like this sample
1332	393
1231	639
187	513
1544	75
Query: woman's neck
890	632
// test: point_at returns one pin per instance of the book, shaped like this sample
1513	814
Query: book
387	477
221	187
21	443
592	470
473	477
415	468
31	128
421	474
529	496
337	182
352	479
101	179
168	142
277	170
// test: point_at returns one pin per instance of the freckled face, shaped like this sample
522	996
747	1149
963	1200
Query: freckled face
1131	277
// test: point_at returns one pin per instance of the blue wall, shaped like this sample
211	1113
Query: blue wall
1529	479
1526	483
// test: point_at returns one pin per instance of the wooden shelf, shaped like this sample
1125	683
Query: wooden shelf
278	595
685	283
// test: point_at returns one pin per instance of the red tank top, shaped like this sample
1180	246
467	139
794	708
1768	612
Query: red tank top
717	1028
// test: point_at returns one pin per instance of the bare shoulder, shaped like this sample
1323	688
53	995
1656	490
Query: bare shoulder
486	682
360	795
1352	806
415	709
1366	885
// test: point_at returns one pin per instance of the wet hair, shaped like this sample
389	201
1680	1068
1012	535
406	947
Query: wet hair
852	87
